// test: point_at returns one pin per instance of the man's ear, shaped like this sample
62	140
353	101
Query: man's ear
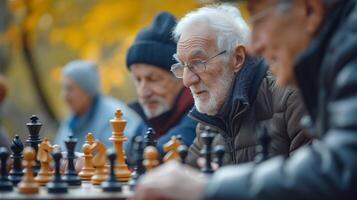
239	57
315	12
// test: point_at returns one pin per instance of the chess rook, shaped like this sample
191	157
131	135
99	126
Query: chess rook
70	175
5	183
34	127
118	124
207	136
57	185
16	172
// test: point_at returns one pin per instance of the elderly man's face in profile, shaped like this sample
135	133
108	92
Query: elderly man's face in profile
281	30
210	87
156	88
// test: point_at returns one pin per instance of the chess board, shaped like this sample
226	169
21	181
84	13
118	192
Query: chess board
85	191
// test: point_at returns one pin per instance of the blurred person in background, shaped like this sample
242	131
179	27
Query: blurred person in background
90	109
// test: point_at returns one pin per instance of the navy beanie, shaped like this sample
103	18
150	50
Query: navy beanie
154	44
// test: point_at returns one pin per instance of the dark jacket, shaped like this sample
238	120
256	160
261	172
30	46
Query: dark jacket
255	100
171	123
327	74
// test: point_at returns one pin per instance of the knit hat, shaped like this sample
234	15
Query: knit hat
85	74
154	44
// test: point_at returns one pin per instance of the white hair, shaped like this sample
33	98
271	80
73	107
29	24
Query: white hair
226	21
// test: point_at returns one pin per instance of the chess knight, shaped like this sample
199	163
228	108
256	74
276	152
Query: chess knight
233	92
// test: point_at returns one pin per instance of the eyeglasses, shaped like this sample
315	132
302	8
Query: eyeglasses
196	66
280	7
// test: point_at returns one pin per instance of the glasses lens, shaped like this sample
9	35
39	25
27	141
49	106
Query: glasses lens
198	66
177	70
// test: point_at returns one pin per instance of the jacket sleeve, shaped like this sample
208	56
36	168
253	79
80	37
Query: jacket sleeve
324	170
295	110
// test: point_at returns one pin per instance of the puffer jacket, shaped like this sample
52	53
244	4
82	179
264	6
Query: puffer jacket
255	101
326	73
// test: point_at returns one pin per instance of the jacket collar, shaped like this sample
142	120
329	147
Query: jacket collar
242	95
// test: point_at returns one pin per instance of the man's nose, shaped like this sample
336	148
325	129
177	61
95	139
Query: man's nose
189	78
144	91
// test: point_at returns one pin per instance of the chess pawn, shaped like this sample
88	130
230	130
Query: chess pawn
150	158
99	160
5	184
57	185
111	185
70	175
118	124
44	156
171	149
149	138
16	172
34	127
87	170
28	184
89	139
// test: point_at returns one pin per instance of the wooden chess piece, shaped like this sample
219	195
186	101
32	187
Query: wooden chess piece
118	124
70	175
207	137
5	183
34	127
44	156
57	185
111	185
150	158
16	172
171	149
89	139
99	160
87	170
28	184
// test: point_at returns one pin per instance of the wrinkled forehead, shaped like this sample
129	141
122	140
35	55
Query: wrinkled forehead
196	41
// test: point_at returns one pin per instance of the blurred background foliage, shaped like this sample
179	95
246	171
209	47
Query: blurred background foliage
37	37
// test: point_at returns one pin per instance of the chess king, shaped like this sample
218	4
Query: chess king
233	92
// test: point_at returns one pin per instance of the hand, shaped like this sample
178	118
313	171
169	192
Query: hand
172	181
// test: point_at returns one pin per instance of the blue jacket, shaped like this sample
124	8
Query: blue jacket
97	122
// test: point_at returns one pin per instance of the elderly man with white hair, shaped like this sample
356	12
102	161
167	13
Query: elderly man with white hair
233	92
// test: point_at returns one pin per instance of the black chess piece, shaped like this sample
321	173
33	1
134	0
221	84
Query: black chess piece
207	136
139	168
183	151
112	185
34	127
16	172
219	151
149	138
5	183
264	145
70	175
57	185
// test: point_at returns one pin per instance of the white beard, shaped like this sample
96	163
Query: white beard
162	107
216	98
